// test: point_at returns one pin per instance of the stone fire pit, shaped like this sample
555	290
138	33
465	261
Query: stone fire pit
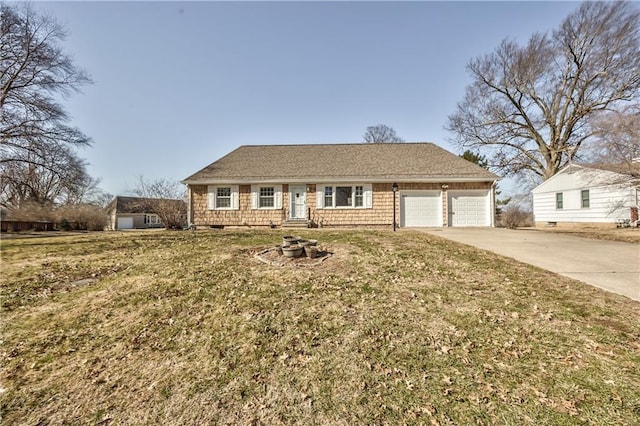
294	251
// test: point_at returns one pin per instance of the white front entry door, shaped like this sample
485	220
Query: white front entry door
298	197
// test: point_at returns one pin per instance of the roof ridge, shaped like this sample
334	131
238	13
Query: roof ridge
334	144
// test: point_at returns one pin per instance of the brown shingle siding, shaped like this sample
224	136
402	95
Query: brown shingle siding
381	213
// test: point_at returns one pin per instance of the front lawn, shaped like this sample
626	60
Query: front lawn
189	328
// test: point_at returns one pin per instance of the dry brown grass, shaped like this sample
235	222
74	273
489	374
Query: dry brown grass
189	328
628	235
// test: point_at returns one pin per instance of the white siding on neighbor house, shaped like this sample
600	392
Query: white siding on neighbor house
576	177
606	204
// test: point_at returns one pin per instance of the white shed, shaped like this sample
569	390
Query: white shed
587	194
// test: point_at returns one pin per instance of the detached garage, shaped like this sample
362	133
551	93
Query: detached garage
469	208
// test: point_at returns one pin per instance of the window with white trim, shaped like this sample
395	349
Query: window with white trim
267	197
223	198
584	199
152	219
345	196
328	196
559	201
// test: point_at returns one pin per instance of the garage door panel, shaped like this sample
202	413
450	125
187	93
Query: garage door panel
421	209
124	223
469	208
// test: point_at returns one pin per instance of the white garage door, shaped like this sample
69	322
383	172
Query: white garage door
469	208
421	208
125	223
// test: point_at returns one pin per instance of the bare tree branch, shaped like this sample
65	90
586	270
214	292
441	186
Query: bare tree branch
530	108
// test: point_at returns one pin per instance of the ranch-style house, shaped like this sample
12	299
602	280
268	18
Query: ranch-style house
333	185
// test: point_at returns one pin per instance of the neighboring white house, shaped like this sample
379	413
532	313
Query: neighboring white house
596	194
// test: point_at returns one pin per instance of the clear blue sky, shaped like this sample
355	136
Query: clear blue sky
180	84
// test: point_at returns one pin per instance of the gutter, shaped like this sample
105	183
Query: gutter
341	179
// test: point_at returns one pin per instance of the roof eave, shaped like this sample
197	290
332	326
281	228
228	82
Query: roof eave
316	179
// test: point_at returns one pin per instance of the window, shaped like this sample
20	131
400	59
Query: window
267	197
359	196
328	196
343	196
223	198
353	196
558	200
584	197
151	219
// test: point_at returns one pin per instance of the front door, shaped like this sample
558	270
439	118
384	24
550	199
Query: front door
298	197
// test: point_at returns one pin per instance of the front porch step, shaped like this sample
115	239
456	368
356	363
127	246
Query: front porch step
293	224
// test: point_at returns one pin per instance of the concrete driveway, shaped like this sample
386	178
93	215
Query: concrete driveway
609	265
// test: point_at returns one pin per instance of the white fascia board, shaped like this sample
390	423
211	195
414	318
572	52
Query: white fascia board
312	179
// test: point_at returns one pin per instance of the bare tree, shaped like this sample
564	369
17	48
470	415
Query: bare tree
617	137
166	199
34	72
381	133
529	107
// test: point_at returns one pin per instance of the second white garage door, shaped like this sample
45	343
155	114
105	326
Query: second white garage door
469	208
420	209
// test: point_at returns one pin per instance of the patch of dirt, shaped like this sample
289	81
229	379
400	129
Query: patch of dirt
273	256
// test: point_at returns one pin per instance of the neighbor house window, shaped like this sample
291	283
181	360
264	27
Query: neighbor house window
584	197
223	198
267	197
346	196
559	200
151	219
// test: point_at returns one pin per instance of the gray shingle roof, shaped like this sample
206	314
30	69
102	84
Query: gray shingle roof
333	162
631	169
122	204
